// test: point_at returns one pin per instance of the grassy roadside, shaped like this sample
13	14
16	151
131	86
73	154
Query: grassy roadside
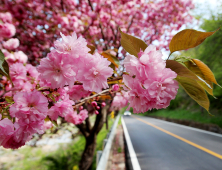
183	114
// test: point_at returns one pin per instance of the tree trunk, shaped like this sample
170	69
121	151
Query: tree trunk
90	134
87	156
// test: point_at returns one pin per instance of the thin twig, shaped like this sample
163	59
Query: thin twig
90	97
115	79
169	56
5	93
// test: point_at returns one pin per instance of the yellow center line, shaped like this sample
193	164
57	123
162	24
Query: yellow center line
180	138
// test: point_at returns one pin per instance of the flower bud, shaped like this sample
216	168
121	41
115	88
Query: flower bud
115	87
103	104
94	104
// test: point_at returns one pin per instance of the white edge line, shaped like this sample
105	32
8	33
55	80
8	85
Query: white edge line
105	153
187	127
133	157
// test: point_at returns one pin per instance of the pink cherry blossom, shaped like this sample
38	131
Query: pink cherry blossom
32	72
57	69
83	114
6	17
152	85
77	92
73	118
17	139
17	72
11	44
6	129
71	45
20	57
47	125
7	30
34	104
94	73
61	108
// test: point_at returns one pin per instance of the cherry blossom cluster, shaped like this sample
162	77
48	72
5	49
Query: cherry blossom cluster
151	84
68	63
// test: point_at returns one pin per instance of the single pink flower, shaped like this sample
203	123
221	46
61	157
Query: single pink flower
94	72
83	114
32	72
17	72
7	30
57	69
17	139
6	129
71	45
73	118
61	108
20	57
11	44
32	103
6	17
119	101
47	125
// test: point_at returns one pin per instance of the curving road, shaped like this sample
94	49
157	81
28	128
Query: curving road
161	145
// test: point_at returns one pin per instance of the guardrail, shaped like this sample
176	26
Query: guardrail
103	159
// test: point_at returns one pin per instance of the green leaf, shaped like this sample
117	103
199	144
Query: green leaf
204	73
188	38
50	95
4	65
92	49
9	99
206	87
4	68
207	74
195	91
132	44
180	69
53	121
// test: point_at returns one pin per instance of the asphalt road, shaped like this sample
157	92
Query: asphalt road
161	145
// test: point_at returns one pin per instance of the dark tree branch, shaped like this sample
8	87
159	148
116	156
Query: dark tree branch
83	129
62	5
90	4
88	125
131	22
100	119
